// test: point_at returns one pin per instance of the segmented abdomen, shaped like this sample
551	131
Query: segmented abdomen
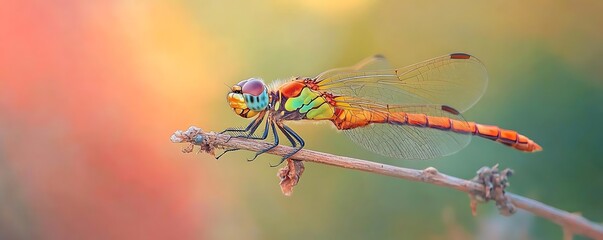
348	119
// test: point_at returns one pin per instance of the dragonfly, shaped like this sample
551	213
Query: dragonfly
412	112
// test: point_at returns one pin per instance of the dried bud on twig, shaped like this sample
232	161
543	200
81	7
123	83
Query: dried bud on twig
290	175
494	182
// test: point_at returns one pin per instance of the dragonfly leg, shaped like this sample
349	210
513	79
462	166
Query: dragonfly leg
252	131
268	148
252	126
264	136
288	131
291	140
225	151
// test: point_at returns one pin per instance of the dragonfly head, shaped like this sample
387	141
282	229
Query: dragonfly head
248	97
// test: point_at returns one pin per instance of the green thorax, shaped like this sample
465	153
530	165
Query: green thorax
309	103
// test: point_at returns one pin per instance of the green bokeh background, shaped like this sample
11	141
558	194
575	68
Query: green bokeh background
545	82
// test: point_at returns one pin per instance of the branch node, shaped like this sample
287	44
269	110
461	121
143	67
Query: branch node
431	171
194	136
495	182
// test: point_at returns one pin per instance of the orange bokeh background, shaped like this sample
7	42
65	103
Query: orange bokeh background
84	125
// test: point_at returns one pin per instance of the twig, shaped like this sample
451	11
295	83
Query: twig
570	222
567	234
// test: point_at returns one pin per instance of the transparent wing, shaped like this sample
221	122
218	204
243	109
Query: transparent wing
409	142
375	62
456	80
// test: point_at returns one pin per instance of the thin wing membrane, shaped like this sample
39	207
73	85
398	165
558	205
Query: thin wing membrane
404	141
456	80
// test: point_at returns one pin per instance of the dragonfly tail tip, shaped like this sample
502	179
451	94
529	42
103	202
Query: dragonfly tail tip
537	148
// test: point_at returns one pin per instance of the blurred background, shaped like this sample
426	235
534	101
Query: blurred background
90	92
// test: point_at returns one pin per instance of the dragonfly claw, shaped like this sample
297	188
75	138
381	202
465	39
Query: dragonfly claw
258	154
221	154
225	151
279	163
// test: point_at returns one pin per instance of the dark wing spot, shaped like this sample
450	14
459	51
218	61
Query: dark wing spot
380	56
460	56
450	110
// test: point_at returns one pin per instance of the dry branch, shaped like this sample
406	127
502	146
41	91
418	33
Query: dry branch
570	222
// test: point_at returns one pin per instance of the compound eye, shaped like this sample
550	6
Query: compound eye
241	83
253	87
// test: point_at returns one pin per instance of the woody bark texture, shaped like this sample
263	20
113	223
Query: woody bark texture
482	188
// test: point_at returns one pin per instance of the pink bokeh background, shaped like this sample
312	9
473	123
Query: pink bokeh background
84	127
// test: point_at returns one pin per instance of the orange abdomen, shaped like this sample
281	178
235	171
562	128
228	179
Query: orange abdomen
504	136
348	119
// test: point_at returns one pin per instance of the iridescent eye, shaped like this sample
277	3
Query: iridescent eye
241	83
253	87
